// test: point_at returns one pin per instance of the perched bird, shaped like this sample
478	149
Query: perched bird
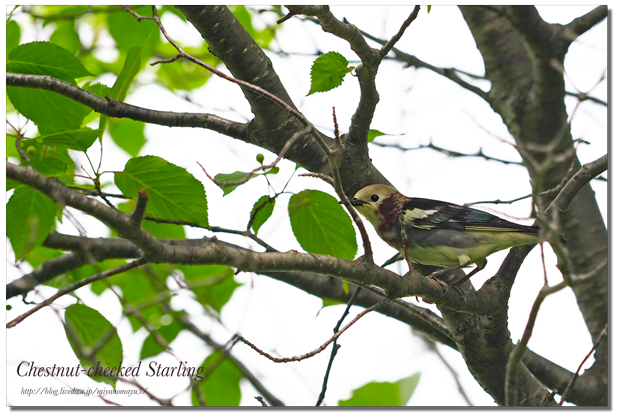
439	233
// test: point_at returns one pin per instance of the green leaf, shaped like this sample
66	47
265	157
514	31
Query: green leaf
66	36
150	346
13	35
328	72
48	160
49	166
326	303
10	184
373	134
262	37
173	10
128	135
406	386
264	213
213	285
428	8
175	76
48	110
45	58
386	394
158	230
84	271
86	329
141	289
40	254
221	387
98	89
321	226
80	139
129	33
174	194
124	79
30	217
234	177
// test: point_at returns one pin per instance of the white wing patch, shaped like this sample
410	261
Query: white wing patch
417	214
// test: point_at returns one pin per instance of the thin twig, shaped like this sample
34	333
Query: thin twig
75	286
447	152
498	201
390	44
336	346
317	350
517	353
570	385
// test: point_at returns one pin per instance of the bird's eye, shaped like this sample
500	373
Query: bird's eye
374	197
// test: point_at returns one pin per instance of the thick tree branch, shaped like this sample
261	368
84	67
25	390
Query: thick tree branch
273	125
586	22
117	109
523	64
217	252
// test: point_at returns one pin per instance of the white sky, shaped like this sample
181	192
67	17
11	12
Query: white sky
279	318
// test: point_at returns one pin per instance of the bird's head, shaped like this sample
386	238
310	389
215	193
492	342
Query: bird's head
375	202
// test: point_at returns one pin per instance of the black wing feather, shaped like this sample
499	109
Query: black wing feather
455	217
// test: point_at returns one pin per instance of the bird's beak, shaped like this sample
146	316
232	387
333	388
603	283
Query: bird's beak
355	202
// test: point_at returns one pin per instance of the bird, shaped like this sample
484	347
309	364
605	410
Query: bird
438	233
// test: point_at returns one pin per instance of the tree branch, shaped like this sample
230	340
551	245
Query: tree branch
586	22
117	109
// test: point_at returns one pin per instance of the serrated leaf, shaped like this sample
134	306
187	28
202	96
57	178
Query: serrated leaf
328	72
213	285
321	226
30	217
386	394
234	177
45	58
80	139
158	230
266	204
86	329
174	194
66	36
13	35
98	89
48	110
128	135
221	388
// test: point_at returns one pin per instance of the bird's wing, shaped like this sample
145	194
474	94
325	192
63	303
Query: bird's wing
422	213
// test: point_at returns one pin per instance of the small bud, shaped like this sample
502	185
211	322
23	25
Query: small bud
32	151
260	158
